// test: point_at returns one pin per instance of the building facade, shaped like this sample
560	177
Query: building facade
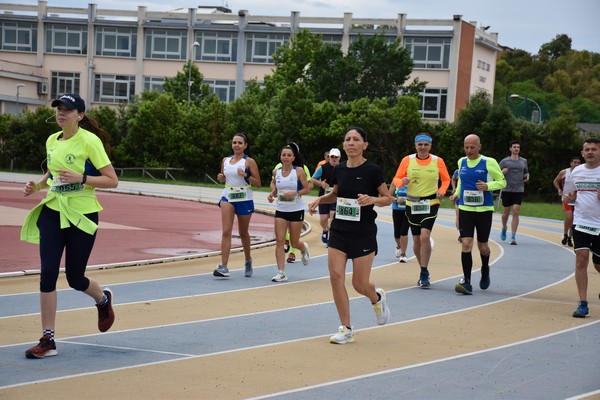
107	56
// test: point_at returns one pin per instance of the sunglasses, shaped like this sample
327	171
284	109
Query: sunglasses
334	157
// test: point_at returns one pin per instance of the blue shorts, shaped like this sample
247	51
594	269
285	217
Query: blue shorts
241	207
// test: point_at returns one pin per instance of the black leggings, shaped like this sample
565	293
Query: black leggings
53	240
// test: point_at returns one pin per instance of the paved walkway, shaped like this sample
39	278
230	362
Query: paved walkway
182	334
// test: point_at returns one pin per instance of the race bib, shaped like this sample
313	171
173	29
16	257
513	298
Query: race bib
60	187
587	185
588	229
281	199
473	197
67	187
420	207
237	193
347	209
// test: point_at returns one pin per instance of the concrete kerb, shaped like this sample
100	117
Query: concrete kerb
306	229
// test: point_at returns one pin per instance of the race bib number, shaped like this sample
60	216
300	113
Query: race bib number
473	197
237	194
420	207
588	229
67	187
281	199
347	209
583	185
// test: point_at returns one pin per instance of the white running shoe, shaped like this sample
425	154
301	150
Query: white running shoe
280	277
382	311
403	258
343	336
398	252
305	255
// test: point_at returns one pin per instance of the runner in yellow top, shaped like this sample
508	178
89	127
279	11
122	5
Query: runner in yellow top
422	172
66	220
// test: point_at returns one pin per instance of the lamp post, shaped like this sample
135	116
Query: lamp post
196	44
516	96
19	86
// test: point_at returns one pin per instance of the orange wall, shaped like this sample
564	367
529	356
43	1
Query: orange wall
465	64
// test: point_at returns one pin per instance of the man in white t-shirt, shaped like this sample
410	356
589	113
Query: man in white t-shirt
586	219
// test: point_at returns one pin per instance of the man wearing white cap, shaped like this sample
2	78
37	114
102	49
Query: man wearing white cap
322	178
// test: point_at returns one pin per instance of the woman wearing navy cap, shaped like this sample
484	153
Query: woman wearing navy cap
67	218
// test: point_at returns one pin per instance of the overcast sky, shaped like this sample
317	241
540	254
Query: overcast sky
523	24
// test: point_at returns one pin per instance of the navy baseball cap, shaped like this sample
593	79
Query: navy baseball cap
70	100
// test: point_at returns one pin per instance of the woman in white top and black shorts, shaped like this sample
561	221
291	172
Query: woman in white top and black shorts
239	172
358	185
290	183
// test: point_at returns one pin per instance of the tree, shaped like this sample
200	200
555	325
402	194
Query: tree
379	69
557	47
146	142
26	140
178	85
372	68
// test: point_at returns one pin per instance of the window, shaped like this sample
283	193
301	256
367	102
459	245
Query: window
113	88
18	36
433	53
386	39
154	83
116	42
483	65
64	82
433	103
334	40
216	46
261	46
166	44
225	90
66	39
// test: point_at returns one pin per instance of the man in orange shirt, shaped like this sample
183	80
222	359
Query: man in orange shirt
422	172
324	161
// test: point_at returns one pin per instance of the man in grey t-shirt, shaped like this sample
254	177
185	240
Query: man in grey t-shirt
516	173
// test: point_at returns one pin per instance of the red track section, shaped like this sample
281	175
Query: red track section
132	228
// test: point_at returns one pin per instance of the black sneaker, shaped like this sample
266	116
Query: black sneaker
45	348
564	240
325	237
424	279
106	315
484	283
569	242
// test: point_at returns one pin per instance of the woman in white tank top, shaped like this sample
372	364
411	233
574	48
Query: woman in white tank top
239	173
289	184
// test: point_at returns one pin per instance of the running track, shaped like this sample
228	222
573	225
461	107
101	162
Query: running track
181	334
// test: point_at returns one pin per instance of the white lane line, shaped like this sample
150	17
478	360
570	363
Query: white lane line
314	305
169	353
584	395
441	360
190	357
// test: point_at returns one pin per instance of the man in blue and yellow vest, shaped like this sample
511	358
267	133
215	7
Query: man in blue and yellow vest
478	177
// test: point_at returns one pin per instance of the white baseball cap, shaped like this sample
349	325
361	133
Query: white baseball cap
334	152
